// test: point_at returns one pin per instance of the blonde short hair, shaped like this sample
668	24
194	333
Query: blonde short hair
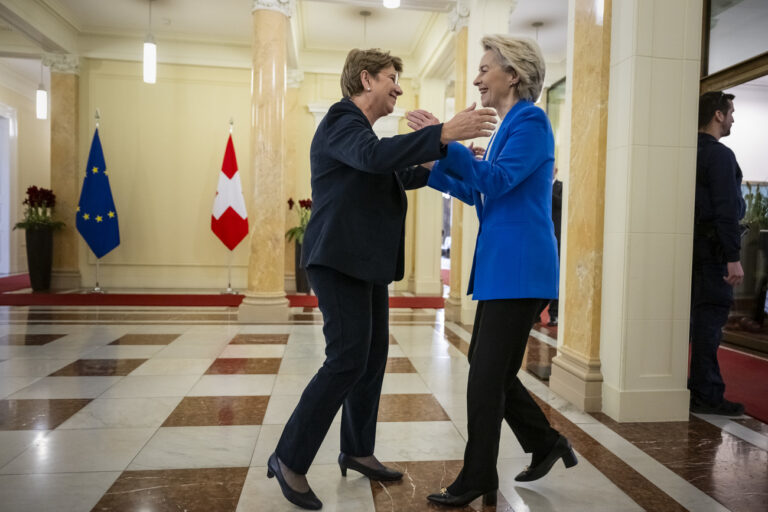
522	56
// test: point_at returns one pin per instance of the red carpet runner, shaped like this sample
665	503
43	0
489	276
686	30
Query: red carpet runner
179	300
746	381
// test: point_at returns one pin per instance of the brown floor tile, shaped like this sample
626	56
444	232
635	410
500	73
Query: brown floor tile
251	366
38	414
174	490
454	339
724	466
399	365
145	339
252	339
99	367
423	478
416	407
392	340
29	339
206	411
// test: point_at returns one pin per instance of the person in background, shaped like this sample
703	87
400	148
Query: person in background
353	248
515	267
716	253
557	208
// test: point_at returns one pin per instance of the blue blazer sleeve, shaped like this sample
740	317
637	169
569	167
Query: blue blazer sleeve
443	180
350	140
523	152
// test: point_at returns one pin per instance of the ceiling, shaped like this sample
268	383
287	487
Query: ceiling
318	26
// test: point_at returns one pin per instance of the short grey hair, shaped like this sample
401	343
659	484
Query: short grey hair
522	56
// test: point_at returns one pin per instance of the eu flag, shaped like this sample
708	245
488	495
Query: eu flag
96	214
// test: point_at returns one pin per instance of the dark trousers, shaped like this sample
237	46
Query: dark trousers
494	392
711	300
356	329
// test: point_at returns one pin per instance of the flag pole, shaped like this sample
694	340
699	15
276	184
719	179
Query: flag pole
97	288
229	290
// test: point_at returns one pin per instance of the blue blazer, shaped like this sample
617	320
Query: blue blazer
357	224
516	251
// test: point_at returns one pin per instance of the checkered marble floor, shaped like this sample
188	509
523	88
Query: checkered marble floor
167	409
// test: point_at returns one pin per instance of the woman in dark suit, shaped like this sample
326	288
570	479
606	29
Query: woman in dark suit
515	268
353	248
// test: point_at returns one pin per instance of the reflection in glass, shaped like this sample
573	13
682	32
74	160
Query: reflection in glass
737	32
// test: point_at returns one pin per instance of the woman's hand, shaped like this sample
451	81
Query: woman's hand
469	124
419	118
478	151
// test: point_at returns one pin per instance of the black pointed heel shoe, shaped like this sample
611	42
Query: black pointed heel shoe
561	450
380	475
449	500
306	500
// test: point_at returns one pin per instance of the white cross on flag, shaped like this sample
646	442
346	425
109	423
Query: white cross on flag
229	221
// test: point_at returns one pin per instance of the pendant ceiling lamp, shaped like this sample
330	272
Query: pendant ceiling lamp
391	4
150	53
41	98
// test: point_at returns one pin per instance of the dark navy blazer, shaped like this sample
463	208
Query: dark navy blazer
358	193
516	251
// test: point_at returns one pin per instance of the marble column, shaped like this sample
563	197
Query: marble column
649	204
428	208
453	303
64	166
576	369
265	299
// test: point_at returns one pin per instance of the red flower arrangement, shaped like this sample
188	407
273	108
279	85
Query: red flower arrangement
305	210
39	210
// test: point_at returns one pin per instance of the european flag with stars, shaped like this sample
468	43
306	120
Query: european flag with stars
96	213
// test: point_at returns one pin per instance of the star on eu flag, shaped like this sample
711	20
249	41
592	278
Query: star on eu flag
95	170
99	218
86	216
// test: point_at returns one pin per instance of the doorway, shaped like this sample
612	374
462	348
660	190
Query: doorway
6	133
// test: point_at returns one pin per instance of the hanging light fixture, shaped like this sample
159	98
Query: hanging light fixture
41	103
391	4
150	53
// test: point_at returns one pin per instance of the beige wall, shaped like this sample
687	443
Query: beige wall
163	145
30	164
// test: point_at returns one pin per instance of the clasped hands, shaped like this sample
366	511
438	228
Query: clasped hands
470	123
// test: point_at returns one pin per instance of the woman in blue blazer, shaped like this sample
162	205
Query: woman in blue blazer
515	267
353	248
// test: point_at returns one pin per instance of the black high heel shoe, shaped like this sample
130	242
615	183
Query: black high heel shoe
306	500
381	475
561	450
449	500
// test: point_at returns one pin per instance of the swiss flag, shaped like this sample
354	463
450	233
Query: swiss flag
229	220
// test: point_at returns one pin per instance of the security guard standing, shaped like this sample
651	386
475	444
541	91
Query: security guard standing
716	247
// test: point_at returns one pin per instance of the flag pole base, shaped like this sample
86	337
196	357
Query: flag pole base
229	291
97	289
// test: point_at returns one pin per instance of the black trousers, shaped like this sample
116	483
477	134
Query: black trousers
356	329
711	300
494	392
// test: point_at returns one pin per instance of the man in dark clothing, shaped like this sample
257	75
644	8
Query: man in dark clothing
716	245
557	208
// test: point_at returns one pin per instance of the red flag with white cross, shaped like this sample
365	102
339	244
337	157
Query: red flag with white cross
229	220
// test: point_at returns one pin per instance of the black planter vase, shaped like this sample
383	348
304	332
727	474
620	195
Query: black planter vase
302	283
40	257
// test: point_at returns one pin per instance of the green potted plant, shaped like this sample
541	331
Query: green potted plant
296	234
39	225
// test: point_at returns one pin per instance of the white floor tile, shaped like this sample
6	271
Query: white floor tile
123	413
198	447
67	387
68	451
339	494
146	386
63	492
31	367
168	367
254	350
233	385
13	442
